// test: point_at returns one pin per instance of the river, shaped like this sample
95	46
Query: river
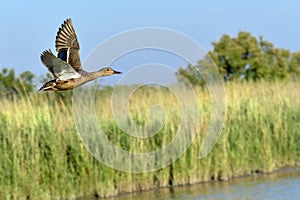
281	185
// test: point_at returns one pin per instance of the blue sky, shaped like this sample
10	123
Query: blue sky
29	27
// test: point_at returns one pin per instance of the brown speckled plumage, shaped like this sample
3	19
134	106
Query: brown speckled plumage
66	66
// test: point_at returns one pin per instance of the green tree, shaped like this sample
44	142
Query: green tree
248	58
294	67
11	85
190	74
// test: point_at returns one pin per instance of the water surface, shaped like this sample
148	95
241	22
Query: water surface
283	185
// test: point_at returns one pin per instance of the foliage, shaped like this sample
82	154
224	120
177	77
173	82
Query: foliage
247	58
42	157
11	85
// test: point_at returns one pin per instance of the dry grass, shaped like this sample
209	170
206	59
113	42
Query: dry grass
42	156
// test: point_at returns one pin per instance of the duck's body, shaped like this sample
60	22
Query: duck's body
71	83
66	67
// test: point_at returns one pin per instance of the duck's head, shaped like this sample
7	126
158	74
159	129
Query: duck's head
107	71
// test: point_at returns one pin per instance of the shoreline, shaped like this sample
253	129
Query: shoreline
41	154
257	173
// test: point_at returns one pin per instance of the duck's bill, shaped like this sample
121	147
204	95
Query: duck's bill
116	72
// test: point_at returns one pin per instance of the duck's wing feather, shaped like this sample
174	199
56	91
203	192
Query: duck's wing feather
60	69
67	45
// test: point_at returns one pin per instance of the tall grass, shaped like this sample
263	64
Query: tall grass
42	157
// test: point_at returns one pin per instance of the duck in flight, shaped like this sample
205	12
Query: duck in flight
66	66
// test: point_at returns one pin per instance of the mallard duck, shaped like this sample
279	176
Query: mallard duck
66	66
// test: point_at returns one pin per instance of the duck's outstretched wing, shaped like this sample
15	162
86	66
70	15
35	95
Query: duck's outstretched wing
60	69
67	45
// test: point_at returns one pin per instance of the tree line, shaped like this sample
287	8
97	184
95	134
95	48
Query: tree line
246	57
12	85
243	57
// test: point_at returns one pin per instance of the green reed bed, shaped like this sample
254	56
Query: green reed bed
42	156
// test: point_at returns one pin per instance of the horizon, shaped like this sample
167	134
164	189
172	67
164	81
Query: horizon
29	31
